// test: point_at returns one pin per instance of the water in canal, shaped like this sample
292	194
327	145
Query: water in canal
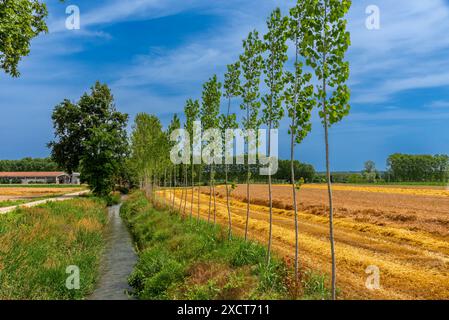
117	262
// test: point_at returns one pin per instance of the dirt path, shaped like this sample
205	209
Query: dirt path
413	262
36	203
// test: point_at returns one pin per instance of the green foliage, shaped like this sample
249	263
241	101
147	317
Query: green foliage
192	111
273	67
299	183
315	286
91	135
103	155
246	253
38	244
299	92
183	259
302	170
28	164
418	168
324	46
271	277
232	90
232	81
210	108
113	199
251	63
150	146
20	22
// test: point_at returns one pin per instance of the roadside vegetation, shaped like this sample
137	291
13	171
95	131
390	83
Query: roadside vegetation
182	258
38	244
11	203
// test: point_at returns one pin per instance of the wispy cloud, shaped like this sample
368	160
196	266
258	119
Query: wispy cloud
408	52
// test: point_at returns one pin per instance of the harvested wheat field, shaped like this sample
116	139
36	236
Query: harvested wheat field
404	231
17	193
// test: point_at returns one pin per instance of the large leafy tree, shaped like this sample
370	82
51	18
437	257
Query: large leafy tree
20	22
79	128
299	102
325	44
104	153
276	47
251	63
210	110
229	121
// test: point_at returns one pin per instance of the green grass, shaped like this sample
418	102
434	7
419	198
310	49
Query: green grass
11	203
183	259
38	244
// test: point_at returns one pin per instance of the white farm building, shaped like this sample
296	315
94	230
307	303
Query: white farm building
40	177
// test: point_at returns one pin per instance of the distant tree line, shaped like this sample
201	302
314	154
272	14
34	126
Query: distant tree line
400	168
237	173
28	164
417	168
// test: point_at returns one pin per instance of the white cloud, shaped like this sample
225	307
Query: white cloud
408	52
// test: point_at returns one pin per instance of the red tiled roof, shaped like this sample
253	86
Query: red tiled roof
31	174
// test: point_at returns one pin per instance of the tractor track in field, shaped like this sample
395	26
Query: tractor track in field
414	264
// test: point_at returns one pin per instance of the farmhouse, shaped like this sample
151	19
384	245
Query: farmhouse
39	177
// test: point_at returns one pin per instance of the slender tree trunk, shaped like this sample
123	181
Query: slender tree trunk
193	191
329	188
248	200
295	207
170	186
210	193
199	193
214	196
174	188
292	159
165	186
228	205
182	191
270	196
328	172
248	175
186	191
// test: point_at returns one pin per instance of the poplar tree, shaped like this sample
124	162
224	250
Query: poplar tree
251	63
147	149
325	44
299	102
229	121
276	47
175	124
210	110
192	111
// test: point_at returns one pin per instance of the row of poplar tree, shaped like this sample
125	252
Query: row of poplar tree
316	78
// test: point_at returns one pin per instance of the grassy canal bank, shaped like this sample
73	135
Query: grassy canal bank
187	259
39	247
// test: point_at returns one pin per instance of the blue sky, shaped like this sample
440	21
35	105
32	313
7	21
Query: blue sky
157	53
